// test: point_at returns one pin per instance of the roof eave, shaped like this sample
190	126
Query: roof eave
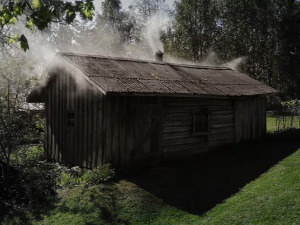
152	94
84	74
37	95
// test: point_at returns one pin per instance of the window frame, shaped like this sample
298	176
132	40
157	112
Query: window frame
196	113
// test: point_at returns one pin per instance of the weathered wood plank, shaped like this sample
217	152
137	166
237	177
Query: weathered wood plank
122	132
99	128
104	130
71	152
178	109
222	125
94	130
59	118
54	103
172	123
89	128
62	105
174	142
115	131
85	128
188	127
198	101
177	129
77	153
48	125
80	130
108	150
129	131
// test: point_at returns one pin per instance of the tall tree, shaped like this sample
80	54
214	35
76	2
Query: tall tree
148	8
265	32
111	13
15	84
194	29
290	36
114	29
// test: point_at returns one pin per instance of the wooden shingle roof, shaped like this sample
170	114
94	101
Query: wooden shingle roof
120	75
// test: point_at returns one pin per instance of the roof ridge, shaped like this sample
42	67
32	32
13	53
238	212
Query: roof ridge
142	61
173	80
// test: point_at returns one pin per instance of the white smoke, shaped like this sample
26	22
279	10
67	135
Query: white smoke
235	63
86	38
153	28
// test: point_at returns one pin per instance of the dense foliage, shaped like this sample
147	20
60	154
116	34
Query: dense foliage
32	181
264	35
38	13
265	32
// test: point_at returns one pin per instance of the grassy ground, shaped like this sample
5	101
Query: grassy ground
271	123
237	185
274	198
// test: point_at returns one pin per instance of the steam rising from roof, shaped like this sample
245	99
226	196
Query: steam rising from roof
92	41
154	26
234	64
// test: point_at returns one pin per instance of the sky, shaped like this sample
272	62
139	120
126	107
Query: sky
125	3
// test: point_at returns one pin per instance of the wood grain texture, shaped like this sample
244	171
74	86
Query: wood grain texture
250	118
178	124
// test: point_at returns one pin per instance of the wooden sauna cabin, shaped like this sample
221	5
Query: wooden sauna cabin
132	112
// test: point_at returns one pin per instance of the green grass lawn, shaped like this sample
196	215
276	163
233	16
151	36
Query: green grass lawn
271	123
274	198
267	196
256	183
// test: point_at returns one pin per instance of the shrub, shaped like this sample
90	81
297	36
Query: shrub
37	177
39	180
101	174
68	180
34	181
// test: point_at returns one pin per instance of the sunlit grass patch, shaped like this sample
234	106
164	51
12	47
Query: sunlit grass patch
280	123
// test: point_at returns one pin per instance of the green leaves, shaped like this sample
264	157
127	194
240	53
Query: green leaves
24	43
13	20
29	24
42	13
88	11
71	13
18	9
13	39
36	4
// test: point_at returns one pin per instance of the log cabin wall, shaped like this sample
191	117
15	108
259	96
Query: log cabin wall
74	122
250	118
89	129
178	136
132	130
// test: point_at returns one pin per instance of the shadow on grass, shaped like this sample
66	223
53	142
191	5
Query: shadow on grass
30	188
36	214
199	183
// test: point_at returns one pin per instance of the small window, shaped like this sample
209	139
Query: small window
200	123
70	119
